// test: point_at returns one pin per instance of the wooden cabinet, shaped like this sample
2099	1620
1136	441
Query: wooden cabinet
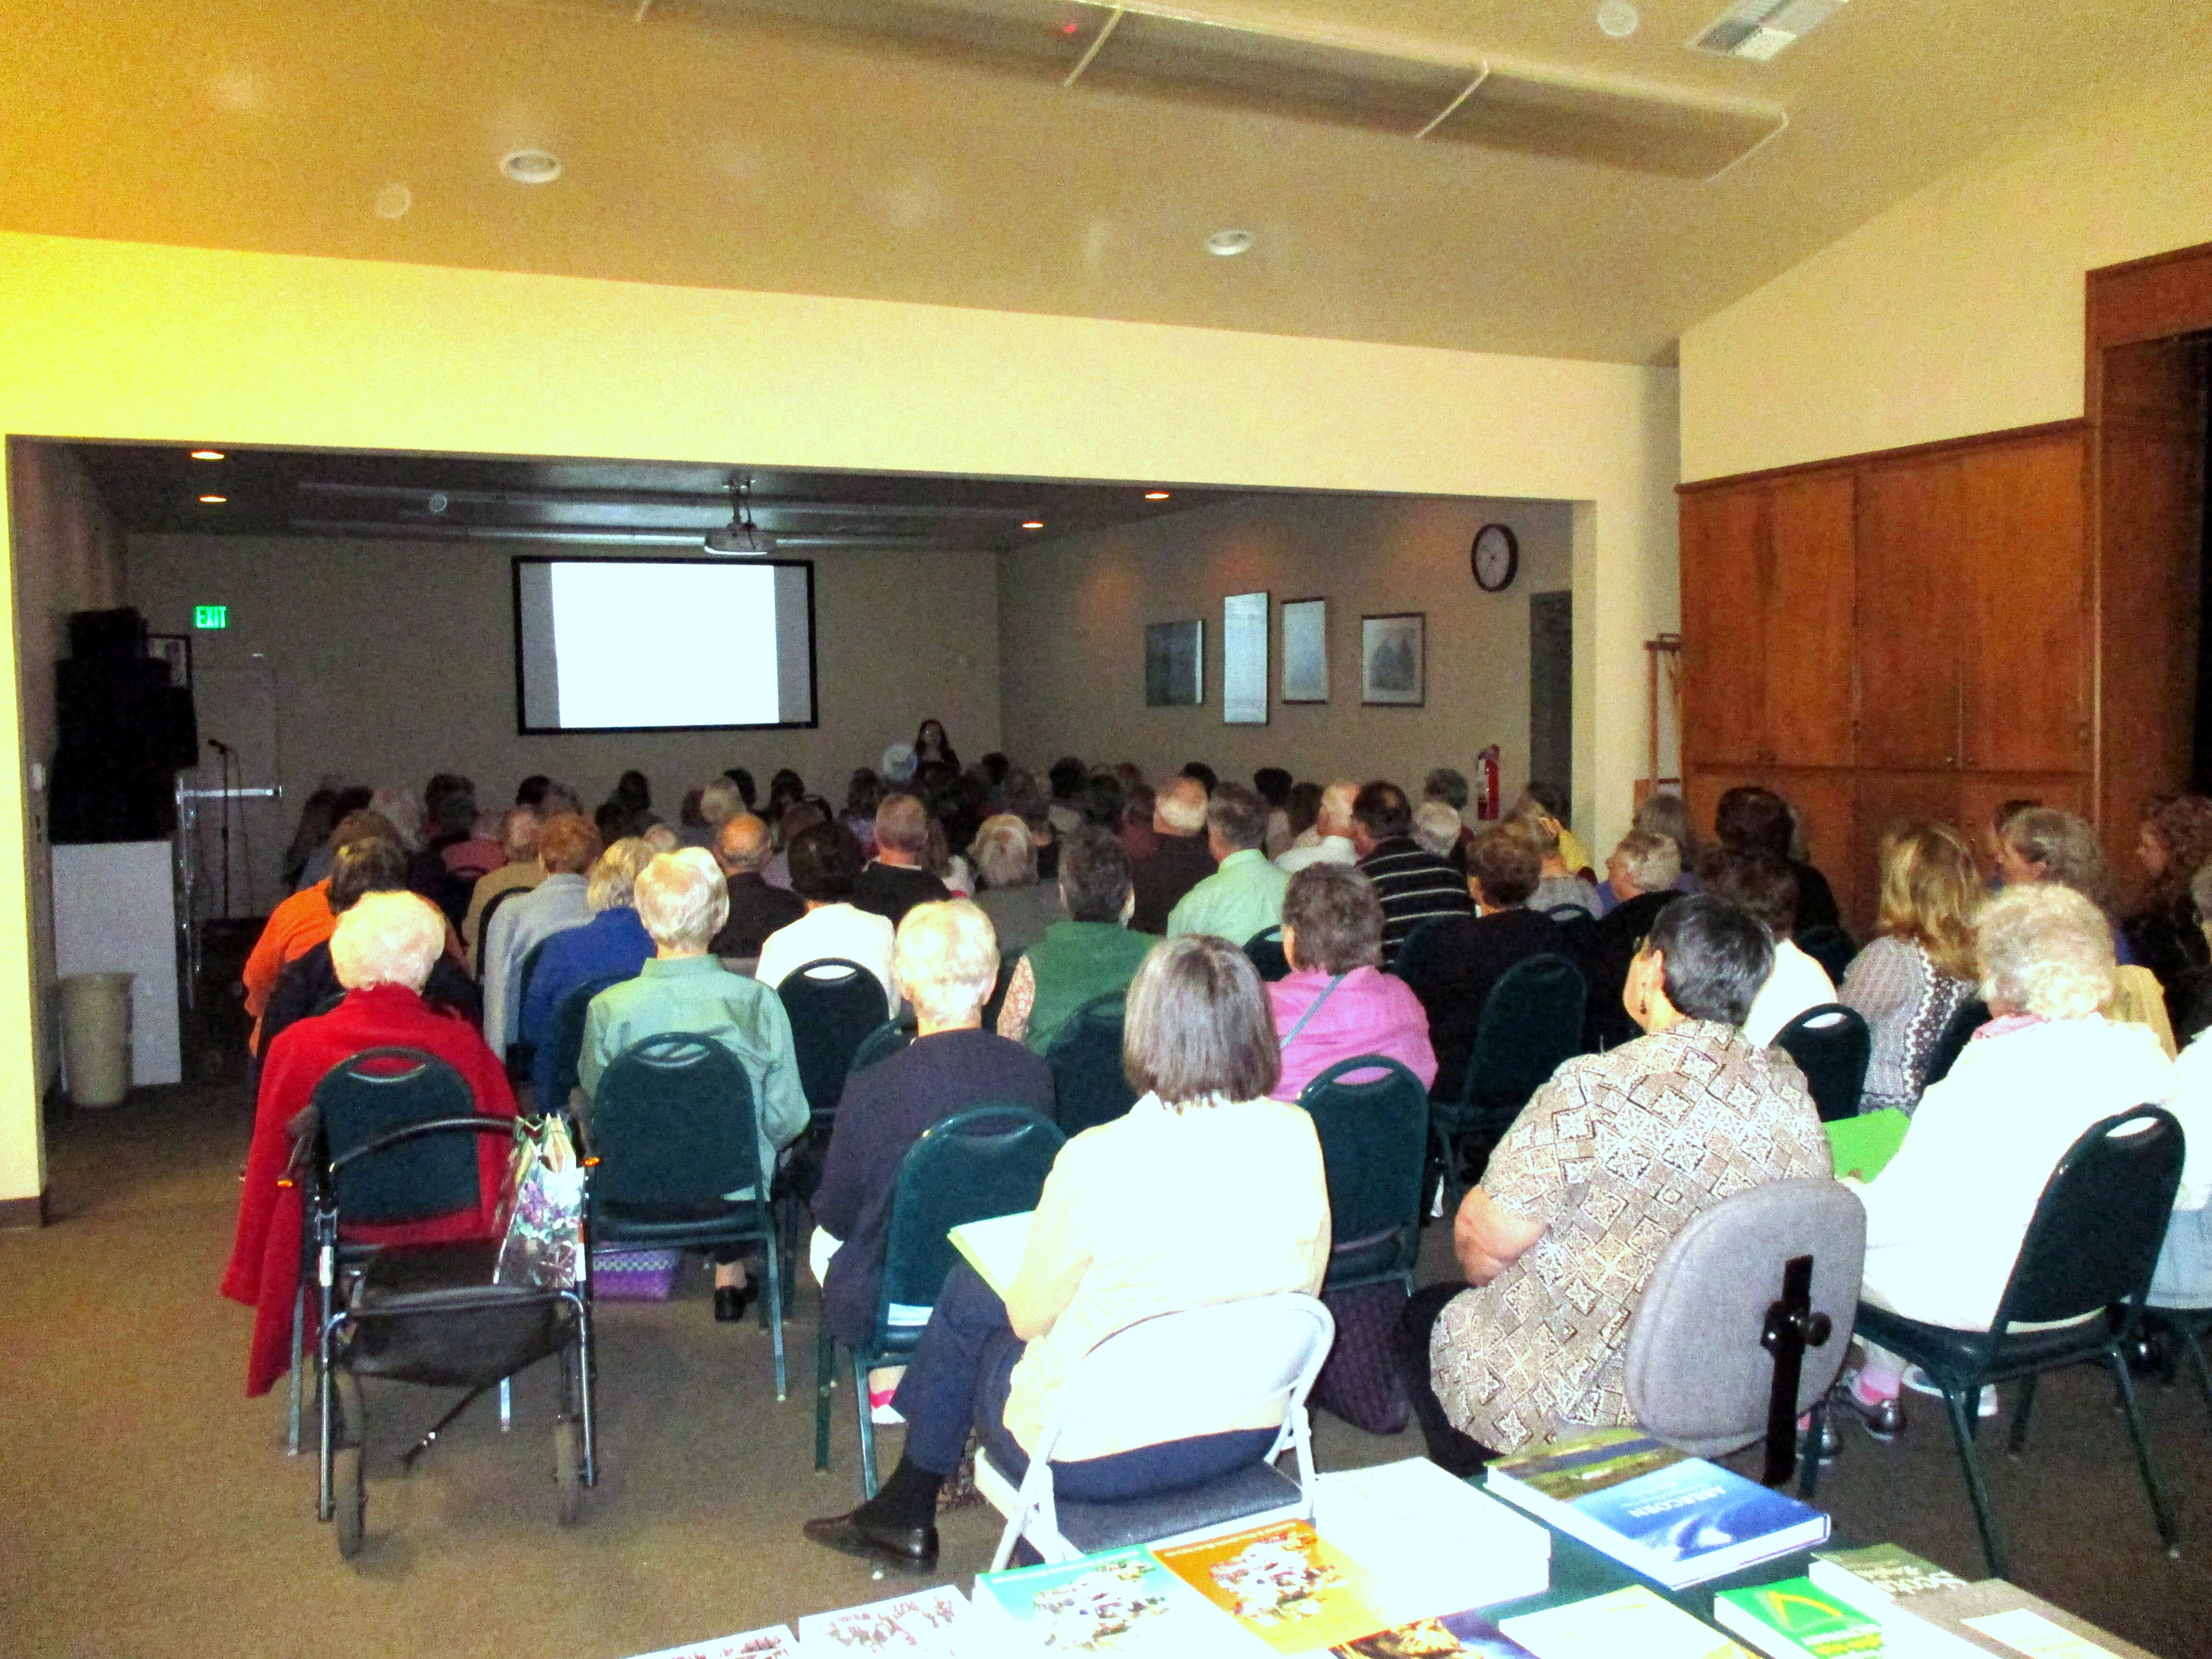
1890	637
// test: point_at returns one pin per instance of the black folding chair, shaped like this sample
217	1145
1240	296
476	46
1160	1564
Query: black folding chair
1832	947
1085	1057
834	1005
1532	1025
1972	1014
2087	1259
554	1066
1374	1139
1831	1046
484	924
1265	948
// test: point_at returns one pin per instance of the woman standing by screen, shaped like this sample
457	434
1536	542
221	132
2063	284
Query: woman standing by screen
931	748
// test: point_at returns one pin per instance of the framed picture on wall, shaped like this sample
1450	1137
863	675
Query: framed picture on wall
1305	650
1175	665
1244	660
1393	667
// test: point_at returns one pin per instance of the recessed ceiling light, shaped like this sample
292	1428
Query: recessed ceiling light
207	454
530	166
1033	524
393	201
215	501
1156	494
1228	244
1618	18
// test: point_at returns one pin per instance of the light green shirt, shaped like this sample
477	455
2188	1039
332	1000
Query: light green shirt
698	995
1245	897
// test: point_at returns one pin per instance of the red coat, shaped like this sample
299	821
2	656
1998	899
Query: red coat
265	1255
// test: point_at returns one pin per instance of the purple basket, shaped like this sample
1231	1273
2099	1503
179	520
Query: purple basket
634	1275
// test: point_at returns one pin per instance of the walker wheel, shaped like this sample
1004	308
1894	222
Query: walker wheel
568	1469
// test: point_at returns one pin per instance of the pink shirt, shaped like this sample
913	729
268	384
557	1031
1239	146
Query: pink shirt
1370	1013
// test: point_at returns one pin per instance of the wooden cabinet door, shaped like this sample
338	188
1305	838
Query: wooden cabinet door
1908	615
1724	627
1891	801
2024	608
1811	599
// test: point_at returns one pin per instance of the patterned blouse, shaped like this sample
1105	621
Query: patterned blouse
1615	1155
1906	1004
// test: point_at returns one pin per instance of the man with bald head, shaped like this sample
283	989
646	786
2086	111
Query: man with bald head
1332	826
756	909
894	882
1179	859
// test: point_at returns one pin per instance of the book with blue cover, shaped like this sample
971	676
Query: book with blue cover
1671	1517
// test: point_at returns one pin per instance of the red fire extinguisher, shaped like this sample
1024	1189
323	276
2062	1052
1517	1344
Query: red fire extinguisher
1485	784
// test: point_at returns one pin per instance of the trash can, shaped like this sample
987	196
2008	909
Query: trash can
96	1037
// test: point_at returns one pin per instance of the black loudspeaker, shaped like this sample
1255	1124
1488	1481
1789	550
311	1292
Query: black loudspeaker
115	763
106	635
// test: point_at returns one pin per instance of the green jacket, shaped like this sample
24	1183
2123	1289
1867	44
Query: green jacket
1074	961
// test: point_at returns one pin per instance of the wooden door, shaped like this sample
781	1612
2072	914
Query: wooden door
2024	607
1724	627
1826	817
1909	534
1887	801
1811	599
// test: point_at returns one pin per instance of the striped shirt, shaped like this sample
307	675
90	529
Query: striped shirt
1414	885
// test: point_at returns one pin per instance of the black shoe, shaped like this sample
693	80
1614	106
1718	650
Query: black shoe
731	1301
910	1549
1884	1420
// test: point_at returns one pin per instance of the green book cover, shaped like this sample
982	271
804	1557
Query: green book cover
1796	1618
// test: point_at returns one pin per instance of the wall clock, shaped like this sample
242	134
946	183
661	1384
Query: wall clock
1496	558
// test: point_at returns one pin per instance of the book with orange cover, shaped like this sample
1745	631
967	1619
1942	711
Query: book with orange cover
1282	1582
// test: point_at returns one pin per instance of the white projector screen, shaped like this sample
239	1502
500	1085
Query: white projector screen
660	644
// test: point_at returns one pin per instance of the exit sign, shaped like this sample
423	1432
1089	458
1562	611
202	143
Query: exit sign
210	616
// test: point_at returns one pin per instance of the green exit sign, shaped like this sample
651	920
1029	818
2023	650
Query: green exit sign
210	616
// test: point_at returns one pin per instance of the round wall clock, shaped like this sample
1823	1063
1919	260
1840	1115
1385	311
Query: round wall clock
1496	558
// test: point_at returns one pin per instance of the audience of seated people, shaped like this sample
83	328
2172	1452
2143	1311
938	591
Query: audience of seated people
1329	841
567	847
1336	1004
1643	875
1459	959
895	881
1765	887
1273	785
382	951
683	902
1020	906
1920	967
1181	857
1753	819
1093	951
303	920
612	945
825	865
518	839
946	962
1244	896
1557	886
1414	885
1588	1188
1663	813
1541	795
1446	787
785	827
2173	844
756	909
1135	1220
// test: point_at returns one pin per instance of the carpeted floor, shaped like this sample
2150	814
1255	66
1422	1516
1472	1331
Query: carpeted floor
147	1507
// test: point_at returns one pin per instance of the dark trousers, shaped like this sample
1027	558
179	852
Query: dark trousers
1448	1448
958	1379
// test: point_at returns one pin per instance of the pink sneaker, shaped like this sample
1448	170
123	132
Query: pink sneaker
880	1409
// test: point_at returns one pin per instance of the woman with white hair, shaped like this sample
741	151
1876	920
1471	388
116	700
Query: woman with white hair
946	961
683	902
1020	906
1557	884
612	945
1946	1218
382	949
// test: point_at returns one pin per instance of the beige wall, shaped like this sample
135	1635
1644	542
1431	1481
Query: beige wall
394	660
120	340
1073	617
1960	310
71	559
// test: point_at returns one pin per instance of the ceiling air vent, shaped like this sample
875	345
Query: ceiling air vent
1760	29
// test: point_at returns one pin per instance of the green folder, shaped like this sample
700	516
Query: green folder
1867	1143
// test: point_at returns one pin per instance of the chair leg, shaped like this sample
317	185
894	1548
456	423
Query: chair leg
2196	1352
825	1365
587	1382
300	1367
1962	1408
867	1426
506	1405
2161	1511
2016	1443
772	1305
1808	1451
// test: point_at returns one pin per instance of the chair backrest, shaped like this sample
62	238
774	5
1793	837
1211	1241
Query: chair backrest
1532	1023
529	971
1697	1375
484	924
1374	1137
554	1066
1972	1014
1831	1044
1265	948
988	1160
1415	946
1200	1370
834	1004
1571	916
671	1125
886	1040
1085	1057
1831	946
2094	1238
380	1090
